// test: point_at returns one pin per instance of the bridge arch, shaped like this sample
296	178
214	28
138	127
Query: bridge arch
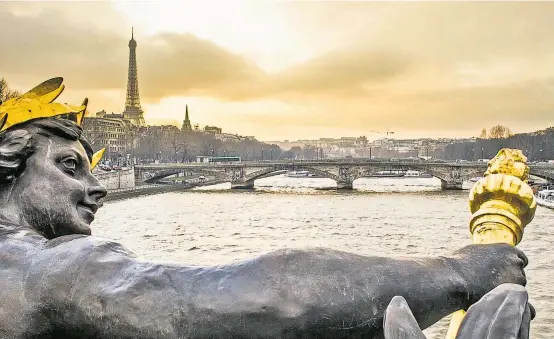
450	173
276	170
543	174
444	173
160	174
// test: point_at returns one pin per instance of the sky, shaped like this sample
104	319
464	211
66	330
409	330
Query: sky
296	69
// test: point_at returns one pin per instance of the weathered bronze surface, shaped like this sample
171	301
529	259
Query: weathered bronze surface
58	281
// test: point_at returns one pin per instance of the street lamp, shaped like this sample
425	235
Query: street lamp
370	153
212	153
262	154
271	154
482	156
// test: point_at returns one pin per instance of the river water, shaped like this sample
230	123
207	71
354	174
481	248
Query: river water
381	217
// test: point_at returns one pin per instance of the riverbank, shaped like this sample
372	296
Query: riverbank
131	192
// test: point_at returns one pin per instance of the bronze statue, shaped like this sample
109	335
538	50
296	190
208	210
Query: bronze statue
58	281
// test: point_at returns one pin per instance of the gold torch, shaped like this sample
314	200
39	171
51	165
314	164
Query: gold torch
502	204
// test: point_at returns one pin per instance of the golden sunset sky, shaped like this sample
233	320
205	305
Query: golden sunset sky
297	70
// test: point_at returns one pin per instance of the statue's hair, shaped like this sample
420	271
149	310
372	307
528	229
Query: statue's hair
19	142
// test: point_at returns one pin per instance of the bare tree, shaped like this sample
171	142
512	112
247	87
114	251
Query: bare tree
150	145
186	151
5	92
93	133
175	146
209	145
483	134
178	143
499	132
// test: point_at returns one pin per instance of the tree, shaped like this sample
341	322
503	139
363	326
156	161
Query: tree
296	151
5	92
208	145
186	148
499	132
93	133
176	144
483	134
310	152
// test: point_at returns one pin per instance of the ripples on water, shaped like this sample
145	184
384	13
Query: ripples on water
381	217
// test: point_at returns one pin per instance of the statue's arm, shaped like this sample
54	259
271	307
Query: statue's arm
310	294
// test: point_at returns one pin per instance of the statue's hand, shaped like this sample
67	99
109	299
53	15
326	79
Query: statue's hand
483	267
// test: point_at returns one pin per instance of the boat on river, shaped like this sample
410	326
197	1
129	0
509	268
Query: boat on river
299	174
545	198
388	174
417	174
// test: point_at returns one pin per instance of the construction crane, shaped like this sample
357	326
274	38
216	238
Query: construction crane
387	132
385	143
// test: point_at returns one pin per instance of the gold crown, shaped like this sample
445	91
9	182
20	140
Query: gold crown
38	103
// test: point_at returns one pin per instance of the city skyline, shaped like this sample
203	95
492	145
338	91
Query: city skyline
296	70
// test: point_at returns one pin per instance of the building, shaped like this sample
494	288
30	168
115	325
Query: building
133	112
104	114
186	123
110	132
212	130
164	130
228	137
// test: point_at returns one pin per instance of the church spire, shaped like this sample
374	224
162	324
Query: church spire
186	123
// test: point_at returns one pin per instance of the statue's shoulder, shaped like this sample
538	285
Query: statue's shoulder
86	245
14	236
24	242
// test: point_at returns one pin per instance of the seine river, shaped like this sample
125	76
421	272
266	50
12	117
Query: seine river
381	217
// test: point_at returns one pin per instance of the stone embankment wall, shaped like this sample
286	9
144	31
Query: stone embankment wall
125	193
117	179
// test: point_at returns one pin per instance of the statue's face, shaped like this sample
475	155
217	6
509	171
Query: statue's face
57	194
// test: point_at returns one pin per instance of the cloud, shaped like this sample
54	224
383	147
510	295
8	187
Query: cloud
177	64
340	73
47	44
428	66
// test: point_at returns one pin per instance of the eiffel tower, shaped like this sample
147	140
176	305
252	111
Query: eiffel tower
133	111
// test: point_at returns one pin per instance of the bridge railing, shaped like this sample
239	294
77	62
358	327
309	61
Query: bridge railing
345	161
303	161
135	188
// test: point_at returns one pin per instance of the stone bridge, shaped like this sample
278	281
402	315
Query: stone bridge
344	172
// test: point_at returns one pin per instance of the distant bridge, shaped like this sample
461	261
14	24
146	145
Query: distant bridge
344	171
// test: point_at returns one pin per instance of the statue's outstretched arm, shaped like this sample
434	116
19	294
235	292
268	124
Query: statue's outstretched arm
93	286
